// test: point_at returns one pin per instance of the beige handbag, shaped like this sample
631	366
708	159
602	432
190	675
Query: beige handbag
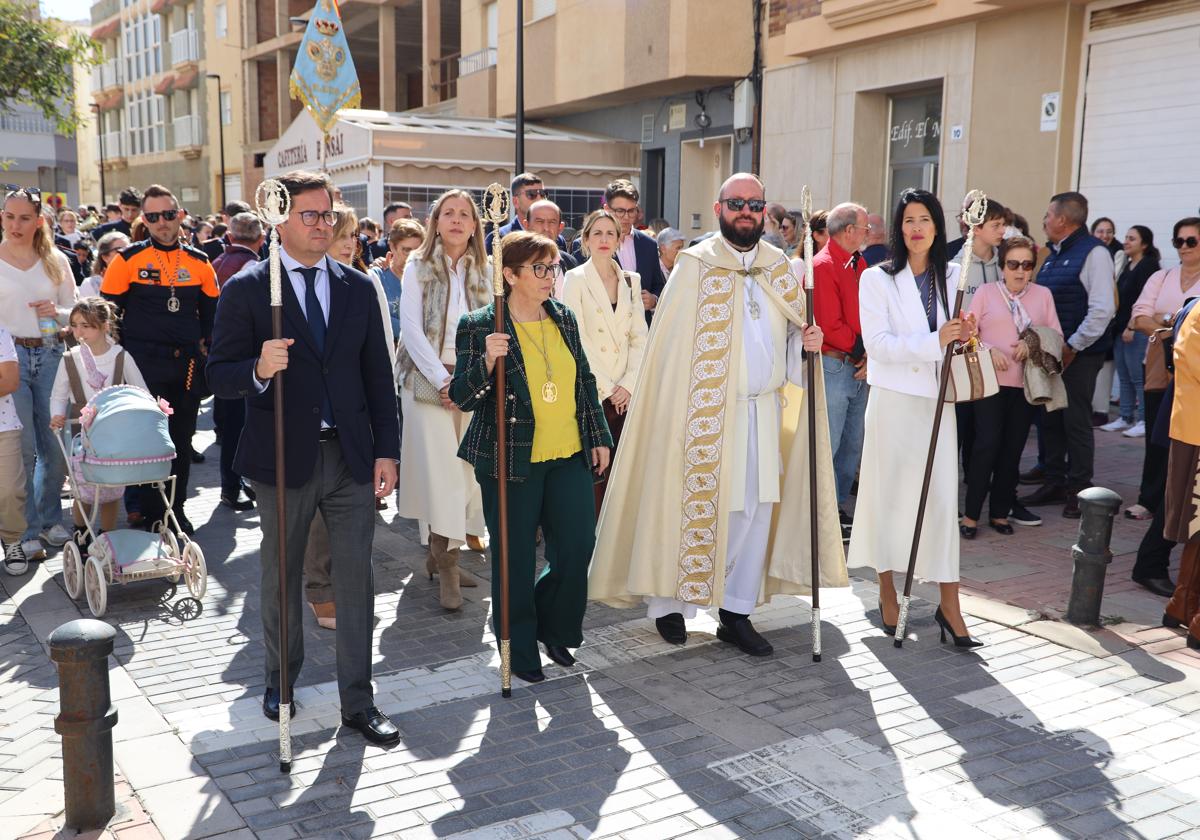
972	373
425	391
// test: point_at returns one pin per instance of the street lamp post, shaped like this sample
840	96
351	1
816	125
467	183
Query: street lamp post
520	103
100	138
220	133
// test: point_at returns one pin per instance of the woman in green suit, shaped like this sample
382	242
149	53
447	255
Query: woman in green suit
557	439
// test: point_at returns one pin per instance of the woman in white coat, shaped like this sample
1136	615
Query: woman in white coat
907	325
607	303
444	279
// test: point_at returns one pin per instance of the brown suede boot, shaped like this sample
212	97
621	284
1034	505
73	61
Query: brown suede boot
1185	603
465	578
446	561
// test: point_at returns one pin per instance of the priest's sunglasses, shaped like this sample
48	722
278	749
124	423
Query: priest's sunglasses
1189	241
540	270
310	217
1024	265
169	215
757	205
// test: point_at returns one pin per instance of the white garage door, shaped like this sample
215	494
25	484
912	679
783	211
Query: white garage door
1140	156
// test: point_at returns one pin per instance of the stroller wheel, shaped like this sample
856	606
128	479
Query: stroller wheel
72	570
95	586
195	571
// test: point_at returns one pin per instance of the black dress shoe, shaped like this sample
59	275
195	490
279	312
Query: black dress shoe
534	676
198	457
1171	621
742	633
1071	508
968	532
249	491
560	655
1034	476
1158	585
237	504
1004	528
375	726
271	704
672	628
1047	494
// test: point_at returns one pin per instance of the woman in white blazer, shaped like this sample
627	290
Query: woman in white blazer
607	303
906	322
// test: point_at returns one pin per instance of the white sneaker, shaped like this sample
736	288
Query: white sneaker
34	550
55	536
15	562
1137	430
1115	426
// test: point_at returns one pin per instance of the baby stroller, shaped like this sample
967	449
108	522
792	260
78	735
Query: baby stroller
122	441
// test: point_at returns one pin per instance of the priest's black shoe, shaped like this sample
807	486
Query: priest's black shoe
737	630
1158	585
672	628
237	504
374	725
271	704
560	655
534	676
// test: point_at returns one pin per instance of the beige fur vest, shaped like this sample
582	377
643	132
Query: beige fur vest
434	278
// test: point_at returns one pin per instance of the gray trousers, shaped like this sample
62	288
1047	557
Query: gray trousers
348	509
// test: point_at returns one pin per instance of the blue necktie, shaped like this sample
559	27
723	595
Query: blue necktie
316	326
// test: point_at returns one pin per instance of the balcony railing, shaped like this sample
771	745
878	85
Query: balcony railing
107	75
445	77
185	46
187	131
477	61
114	146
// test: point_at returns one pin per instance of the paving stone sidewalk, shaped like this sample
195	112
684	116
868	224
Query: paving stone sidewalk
1048	731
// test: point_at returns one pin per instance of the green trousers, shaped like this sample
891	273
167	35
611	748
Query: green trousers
558	497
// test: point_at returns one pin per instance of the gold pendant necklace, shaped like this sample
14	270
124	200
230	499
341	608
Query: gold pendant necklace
180	274
549	389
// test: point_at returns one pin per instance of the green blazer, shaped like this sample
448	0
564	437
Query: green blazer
472	389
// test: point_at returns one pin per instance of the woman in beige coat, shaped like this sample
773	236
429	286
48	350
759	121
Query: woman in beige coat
607	303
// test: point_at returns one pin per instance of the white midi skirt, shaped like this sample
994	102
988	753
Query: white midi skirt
895	448
437	488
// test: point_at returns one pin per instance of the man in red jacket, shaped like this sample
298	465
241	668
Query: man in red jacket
836	270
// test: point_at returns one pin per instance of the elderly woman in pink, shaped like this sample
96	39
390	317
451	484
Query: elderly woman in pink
1004	310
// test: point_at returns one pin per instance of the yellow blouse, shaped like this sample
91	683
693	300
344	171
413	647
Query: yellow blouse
555	429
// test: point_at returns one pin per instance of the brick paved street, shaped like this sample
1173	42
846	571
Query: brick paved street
1048	731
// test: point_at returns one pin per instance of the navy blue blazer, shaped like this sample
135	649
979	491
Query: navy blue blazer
354	370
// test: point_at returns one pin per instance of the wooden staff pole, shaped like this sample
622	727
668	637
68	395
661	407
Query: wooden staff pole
976	203
810	398
274	204
497	204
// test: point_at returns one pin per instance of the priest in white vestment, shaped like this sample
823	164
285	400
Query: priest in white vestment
708	500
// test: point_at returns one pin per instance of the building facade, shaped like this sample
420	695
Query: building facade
863	98
158	113
660	74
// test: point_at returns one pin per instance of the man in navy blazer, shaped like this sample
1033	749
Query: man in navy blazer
341	434
526	190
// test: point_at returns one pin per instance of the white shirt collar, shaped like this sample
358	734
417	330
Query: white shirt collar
746	258
291	264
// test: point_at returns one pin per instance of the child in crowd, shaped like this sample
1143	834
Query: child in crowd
96	363
12	468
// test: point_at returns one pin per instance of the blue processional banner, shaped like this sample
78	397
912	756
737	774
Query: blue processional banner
323	77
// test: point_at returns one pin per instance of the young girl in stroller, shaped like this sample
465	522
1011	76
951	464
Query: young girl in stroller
96	363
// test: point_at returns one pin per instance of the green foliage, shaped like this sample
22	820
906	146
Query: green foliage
38	57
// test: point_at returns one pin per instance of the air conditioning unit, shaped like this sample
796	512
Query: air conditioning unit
743	104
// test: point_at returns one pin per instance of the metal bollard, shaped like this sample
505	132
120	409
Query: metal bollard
85	720
1091	554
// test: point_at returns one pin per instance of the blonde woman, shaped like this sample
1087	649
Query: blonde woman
36	296
444	279
606	302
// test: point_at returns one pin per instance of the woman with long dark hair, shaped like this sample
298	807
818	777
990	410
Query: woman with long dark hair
1129	346
907	325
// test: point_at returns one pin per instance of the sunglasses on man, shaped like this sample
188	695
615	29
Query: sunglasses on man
535	192
1189	241
1024	265
757	205
169	215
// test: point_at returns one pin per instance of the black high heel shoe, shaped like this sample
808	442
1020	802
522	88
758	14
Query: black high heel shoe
959	641
888	629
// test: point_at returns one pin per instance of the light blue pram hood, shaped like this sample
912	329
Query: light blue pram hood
124	438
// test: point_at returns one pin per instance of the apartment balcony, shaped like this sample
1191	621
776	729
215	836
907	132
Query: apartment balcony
477	84
187	136
113	148
107	75
476	61
185	47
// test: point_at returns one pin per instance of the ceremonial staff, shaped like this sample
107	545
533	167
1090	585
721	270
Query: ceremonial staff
976	203
810	370
274	204
496	208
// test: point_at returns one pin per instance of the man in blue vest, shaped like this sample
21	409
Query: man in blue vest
1079	273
